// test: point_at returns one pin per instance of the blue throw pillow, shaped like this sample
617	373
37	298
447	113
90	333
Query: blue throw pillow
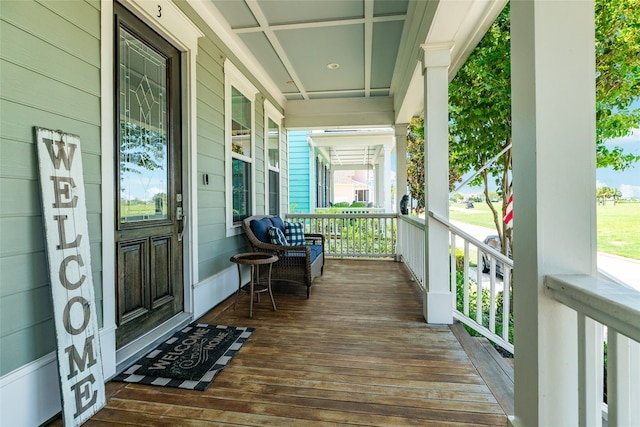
260	228
294	231
277	237
277	222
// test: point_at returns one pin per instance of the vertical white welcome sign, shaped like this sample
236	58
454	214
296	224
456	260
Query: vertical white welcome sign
67	240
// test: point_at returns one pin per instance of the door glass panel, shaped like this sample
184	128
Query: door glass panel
143	131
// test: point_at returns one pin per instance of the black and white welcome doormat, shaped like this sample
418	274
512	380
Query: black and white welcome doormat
190	359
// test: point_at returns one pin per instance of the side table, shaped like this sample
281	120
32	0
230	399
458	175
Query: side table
254	260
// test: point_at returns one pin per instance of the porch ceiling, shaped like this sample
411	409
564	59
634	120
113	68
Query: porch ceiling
317	49
346	63
353	150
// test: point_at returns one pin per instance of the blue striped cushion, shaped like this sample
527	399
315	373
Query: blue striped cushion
277	237
294	231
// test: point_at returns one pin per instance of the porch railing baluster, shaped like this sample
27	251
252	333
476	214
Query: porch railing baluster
359	235
466	279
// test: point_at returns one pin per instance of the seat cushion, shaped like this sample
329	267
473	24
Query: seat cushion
277	222
315	251
260	228
277	236
294	232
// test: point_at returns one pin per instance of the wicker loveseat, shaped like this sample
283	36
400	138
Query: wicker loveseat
299	264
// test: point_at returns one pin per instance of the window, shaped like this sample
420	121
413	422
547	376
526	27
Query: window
362	196
240	152
272	118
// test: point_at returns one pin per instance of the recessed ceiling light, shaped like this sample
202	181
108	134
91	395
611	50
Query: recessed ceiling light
333	66
291	82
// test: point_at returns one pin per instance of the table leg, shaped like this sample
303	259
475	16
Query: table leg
235	304
258	280
251	293
269	288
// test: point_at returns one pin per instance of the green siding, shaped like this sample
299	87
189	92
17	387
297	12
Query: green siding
214	248
50	77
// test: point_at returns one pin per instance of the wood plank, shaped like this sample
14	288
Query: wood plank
500	384
503	363
357	352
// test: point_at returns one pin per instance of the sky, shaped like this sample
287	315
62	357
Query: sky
628	182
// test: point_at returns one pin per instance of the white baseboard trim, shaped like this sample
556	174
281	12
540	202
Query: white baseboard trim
215	289
30	395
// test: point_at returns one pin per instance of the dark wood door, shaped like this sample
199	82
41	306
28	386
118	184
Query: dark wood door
148	183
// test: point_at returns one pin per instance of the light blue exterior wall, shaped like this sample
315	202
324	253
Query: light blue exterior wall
299	172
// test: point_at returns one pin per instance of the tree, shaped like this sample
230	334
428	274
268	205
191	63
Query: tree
480	100
480	116
617	77
415	162
607	193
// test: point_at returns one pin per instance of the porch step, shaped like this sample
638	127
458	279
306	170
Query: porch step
496	372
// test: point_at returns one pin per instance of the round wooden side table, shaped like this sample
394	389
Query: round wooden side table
254	287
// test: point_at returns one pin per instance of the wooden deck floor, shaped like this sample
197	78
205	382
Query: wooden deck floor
356	353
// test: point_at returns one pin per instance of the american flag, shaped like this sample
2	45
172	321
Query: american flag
508	212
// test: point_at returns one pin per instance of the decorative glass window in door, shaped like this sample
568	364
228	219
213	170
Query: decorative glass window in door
143	158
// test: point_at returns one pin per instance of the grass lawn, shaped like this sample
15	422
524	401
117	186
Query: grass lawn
619	229
618	226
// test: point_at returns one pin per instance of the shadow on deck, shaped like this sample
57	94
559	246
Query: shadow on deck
357	352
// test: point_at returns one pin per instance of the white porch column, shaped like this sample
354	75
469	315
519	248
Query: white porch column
378	186
553	87
401	162
386	179
437	299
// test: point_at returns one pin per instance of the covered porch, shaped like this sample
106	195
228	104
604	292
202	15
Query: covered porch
358	352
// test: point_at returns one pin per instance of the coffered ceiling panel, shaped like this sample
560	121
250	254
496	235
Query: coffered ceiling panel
319	49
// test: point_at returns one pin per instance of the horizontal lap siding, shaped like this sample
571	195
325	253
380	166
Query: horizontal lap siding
50	62
214	247
299	173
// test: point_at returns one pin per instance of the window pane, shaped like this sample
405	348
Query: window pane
274	193
241	190
274	144
142	131
240	123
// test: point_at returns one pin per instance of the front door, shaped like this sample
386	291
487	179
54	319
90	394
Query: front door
148	197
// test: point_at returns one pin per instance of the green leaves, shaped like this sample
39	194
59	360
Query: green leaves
617	77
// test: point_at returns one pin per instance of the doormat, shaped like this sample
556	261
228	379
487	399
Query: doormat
190	359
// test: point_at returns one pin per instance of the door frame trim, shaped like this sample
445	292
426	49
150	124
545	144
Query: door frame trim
174	26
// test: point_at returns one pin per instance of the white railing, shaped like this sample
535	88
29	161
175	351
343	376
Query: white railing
603	303
411	245
349	210
467	271
364	235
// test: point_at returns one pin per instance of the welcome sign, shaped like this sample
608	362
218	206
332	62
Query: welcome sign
67	241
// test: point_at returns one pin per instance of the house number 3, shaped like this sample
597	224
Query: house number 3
159	11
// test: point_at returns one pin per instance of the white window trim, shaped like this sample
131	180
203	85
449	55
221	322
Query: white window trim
233	77
270	112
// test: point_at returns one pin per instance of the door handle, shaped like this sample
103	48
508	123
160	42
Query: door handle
184	228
